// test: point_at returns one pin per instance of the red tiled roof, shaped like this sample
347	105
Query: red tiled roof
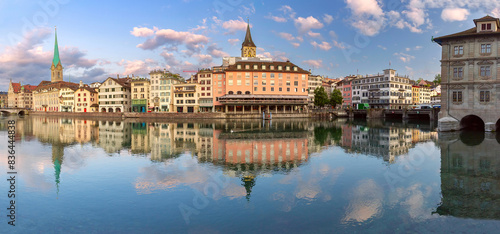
16	87
59	84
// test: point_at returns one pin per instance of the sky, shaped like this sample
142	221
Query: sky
99	39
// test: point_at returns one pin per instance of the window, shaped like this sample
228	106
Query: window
263	88
263	75
295	83
263	82
255	67
238	82
238	66
272	82
280	89
229	82
486	27
485	70
288	89
247	74
459	50
272	89
458	72
288	83
457	96
254	88
484	96
255	82
485	48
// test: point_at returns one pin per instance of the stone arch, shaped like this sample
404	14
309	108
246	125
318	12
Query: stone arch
103	109
497	125
21	113
239	93
230	92
118	109
472	122
5	113
472	138
110	109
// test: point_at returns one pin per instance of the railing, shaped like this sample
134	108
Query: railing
281	102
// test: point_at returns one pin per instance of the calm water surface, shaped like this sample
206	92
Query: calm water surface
107	176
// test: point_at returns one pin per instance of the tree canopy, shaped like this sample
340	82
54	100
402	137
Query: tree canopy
335	98
437	79
320	97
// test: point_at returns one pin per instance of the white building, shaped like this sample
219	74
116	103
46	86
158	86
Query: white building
387	90
114	95
67	99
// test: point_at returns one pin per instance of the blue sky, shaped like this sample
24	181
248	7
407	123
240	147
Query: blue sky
98	39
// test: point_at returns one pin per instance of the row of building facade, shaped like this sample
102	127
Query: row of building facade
246	84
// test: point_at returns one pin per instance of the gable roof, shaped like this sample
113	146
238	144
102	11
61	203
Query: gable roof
470	32
124	82
59	84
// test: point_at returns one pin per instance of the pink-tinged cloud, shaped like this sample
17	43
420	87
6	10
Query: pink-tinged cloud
233	41
216	51
139	67
327	18
313	34
234	25
314	63
28	62
142	32
286	36
295	44
193	42
454	14
323	46
278	19
304	25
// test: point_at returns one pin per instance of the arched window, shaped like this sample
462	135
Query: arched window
230	92
247	92
239	92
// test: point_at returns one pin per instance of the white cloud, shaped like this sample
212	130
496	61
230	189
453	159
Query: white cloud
194	42
323	46
368	16
142	32
235	25
327	18
404	57
333	34
314	63
306	24
286	36
295	44
215	51
454	14
278	19
339	45
233	41
382	47
313	34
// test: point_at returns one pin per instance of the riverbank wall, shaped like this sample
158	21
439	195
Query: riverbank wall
187	116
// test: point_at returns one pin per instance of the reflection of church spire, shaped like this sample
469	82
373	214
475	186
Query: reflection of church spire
57	159
248	182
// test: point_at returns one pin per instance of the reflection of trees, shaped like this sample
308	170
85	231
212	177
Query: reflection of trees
322	133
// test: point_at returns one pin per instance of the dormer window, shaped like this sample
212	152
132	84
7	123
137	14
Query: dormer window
247	66
486	27
238	66
255	67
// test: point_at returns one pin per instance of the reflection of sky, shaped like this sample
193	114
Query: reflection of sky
333	192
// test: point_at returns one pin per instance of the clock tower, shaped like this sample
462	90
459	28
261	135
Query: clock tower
56	68
248	48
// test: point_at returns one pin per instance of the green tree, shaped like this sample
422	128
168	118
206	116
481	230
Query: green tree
437	79
336	98
320	96
419	79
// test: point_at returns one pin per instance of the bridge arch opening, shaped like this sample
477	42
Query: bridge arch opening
472	138
472	122
5	113
497	126
21	113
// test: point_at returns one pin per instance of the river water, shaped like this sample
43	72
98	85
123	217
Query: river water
296	176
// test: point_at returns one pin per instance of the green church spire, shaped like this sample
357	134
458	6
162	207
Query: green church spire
56	59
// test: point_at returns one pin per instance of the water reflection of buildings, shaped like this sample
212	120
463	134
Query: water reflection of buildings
114	135
470	176
380	141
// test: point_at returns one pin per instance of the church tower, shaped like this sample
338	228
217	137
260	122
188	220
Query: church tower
56	68
248	48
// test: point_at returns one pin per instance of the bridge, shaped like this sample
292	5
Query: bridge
13	111
431	114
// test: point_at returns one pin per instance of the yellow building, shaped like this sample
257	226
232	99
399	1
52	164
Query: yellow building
46	96
186	98
415	94
86	100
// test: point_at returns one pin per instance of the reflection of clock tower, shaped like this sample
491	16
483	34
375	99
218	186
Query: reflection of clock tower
248	48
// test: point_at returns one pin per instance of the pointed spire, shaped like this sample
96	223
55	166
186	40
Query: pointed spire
248	37
56	59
